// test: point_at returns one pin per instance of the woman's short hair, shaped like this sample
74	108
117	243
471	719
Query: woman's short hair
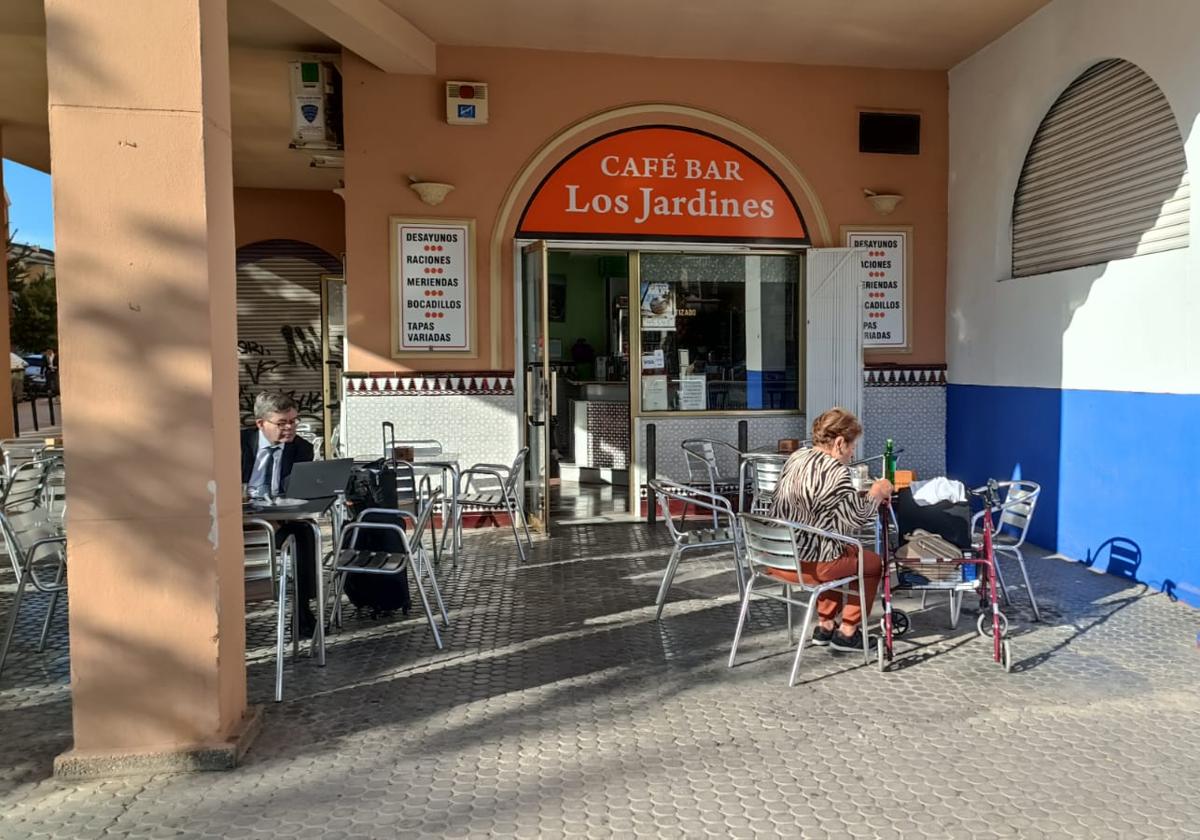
833	424
270	402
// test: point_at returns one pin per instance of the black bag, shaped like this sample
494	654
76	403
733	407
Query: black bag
374	486
949	520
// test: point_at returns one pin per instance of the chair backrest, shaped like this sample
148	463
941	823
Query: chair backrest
15	539
773	542
709	460
258	541
516	477
18	451
1016	511
767	472
667	491
701	459
770	542
26	487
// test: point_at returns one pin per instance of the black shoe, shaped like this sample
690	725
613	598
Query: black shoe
822	637
849	644
308	623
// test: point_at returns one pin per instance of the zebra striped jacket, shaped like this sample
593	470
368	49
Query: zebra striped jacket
815	489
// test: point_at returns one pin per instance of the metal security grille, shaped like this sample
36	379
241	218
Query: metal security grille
279	324
1105	177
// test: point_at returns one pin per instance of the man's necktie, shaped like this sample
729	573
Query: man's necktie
270	474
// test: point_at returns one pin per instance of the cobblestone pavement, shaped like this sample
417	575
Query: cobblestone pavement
560	707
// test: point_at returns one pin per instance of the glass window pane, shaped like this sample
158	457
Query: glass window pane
720	332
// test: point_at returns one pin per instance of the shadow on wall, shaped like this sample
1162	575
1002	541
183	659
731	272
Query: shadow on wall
1108	461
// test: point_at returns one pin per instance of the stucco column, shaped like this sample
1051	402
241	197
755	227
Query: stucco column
6	400
143	203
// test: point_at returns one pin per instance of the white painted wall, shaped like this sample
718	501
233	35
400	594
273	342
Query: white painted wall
1125	326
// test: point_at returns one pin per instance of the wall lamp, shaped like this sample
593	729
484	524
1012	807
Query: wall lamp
884	203
431	192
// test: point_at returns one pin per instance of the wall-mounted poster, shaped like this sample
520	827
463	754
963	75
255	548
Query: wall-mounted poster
432	268
692	393
885	260
658	306
654	393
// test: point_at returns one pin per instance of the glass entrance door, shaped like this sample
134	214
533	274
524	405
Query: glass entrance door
539	390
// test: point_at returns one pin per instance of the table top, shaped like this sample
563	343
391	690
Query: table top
420	459
310	509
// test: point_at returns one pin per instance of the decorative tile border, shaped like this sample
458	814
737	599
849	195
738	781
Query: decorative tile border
458	384
904	375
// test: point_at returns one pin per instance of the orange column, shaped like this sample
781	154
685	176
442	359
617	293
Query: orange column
143	204
6	400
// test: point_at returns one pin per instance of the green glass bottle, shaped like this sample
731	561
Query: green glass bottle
889	461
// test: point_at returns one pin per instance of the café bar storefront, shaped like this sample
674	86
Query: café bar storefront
649	274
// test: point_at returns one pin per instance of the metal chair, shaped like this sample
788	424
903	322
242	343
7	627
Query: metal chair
23	549
430	450
702	456
495	487
1016	512
352	560
667	491
773	557
266	561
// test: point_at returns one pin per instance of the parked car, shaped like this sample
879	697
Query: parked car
35	378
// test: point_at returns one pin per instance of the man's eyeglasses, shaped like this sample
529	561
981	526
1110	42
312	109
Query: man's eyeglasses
284	424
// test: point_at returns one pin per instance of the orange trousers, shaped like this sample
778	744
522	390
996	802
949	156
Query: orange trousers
829	603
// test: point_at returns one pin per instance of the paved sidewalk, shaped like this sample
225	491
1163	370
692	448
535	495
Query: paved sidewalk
560	707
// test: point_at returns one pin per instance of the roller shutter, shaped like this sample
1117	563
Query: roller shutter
279	324
1105	178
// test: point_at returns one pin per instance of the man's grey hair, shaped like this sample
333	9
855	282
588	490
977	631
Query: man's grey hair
271	402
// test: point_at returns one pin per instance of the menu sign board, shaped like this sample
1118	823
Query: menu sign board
885	300
433	279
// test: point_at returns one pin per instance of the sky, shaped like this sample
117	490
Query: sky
31	216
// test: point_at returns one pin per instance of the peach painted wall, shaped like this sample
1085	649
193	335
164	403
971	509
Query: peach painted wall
318	218
395	127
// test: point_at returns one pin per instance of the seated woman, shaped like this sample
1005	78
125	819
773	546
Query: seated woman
815	489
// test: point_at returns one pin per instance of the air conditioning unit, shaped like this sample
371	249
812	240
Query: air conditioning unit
467	103
316	105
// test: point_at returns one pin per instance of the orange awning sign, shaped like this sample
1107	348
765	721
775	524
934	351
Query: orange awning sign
663	183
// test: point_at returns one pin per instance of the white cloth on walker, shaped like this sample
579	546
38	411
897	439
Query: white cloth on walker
940	489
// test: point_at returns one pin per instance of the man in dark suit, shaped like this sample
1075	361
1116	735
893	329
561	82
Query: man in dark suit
269	450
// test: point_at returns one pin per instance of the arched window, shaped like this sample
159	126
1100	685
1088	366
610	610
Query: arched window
1105	176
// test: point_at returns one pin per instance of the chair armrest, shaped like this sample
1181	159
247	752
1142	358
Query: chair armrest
44	541
504	468
399	514
466	476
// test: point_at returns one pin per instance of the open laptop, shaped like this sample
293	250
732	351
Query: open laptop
318	479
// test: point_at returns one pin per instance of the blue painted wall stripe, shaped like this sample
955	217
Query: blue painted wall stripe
1111	465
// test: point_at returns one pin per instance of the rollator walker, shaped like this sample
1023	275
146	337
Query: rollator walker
992	623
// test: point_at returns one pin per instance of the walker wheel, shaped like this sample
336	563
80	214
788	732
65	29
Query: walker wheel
1006	656
881	656
984	625
900	623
